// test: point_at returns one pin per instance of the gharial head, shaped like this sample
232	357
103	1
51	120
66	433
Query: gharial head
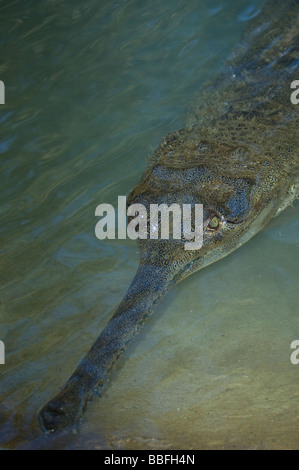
232	182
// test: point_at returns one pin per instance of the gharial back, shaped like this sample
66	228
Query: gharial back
244	124
254	86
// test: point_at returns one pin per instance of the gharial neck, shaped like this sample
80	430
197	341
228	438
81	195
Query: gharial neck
254	85
249	101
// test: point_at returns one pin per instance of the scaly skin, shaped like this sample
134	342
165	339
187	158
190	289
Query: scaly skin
240	160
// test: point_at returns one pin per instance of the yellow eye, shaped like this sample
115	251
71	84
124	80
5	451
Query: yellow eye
214	224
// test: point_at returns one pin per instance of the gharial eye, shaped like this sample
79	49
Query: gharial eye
214	224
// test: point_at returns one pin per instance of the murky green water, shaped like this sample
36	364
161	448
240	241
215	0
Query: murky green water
91	88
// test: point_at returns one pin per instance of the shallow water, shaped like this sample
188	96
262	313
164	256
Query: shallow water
91	88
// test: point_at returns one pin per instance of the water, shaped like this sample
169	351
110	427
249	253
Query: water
91	88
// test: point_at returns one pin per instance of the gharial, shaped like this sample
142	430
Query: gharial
240	160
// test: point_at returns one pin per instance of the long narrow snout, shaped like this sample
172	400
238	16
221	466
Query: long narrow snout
149	285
